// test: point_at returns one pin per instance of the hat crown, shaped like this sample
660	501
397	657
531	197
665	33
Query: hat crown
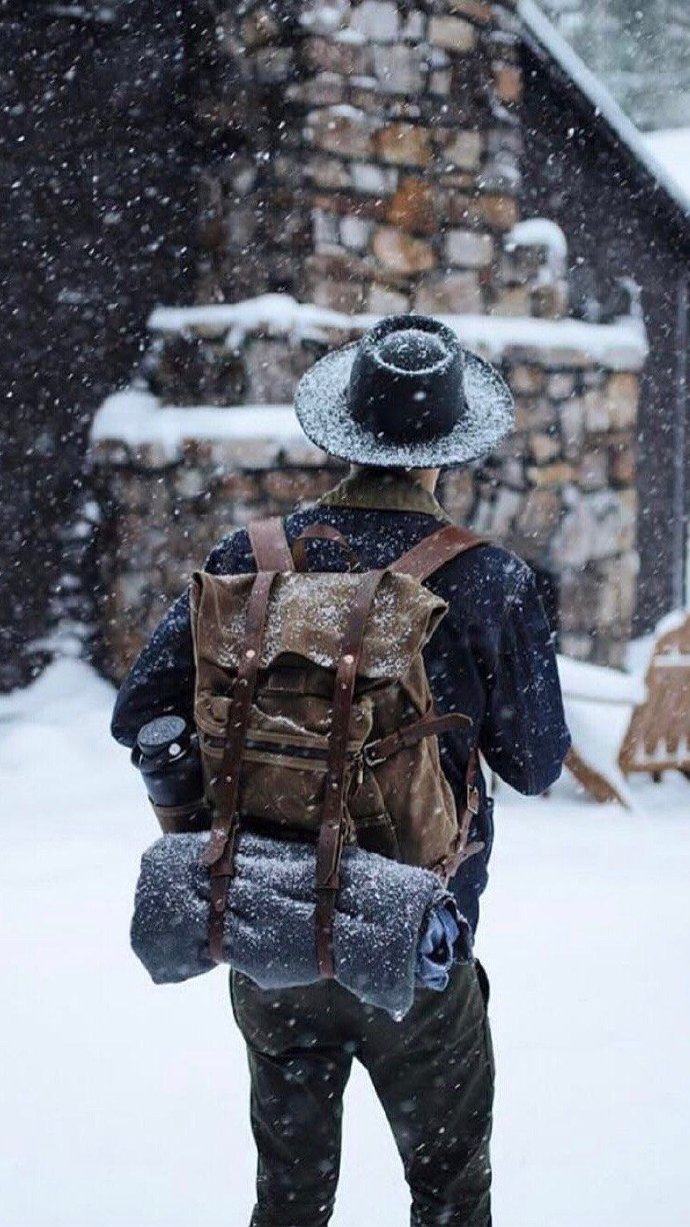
412	350
406	381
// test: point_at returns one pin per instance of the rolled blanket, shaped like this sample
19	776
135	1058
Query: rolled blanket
383	911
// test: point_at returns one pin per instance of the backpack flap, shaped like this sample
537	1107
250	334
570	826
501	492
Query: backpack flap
307	617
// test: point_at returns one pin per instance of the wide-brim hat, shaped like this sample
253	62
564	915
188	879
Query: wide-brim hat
406	395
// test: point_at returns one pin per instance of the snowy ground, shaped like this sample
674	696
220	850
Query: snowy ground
124	1105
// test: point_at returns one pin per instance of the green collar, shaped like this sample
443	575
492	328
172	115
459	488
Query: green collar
383	491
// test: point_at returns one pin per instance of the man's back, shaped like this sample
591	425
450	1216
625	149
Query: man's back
491	657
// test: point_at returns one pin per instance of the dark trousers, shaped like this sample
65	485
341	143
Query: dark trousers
433	1073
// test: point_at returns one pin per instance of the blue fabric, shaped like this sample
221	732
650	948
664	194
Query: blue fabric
492	657
437	949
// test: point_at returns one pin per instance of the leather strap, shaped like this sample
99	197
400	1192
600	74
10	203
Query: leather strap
218	855
269	545
462	850
430	725
433	551
332	829
324	532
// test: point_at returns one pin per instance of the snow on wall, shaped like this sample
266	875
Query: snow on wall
619	346
135	416
538	232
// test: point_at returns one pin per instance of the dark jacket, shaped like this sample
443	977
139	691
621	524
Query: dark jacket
492	656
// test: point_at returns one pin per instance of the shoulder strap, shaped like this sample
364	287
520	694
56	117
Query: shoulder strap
269	545
433	551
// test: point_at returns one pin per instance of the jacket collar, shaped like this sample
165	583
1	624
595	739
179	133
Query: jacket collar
384	491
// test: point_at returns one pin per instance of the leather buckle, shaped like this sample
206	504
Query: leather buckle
370	757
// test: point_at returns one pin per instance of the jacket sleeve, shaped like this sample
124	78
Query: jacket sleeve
524	734
161	680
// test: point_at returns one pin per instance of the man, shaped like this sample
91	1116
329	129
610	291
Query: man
400	405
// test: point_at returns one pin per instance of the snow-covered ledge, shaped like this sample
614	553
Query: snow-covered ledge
136	420
621	346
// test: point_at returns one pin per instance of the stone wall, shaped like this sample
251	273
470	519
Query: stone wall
360	158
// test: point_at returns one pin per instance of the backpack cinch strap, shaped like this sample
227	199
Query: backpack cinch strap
332	830
421	561
218	855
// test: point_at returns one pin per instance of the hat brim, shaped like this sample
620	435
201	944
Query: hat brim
323	412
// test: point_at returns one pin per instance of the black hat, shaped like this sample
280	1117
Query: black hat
407	395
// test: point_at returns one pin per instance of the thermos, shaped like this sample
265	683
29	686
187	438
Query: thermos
167	755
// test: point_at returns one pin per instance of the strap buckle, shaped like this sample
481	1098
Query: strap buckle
370	757
473	799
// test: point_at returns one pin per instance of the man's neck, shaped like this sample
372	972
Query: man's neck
426	478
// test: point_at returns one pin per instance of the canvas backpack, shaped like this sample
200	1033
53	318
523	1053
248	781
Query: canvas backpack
315	715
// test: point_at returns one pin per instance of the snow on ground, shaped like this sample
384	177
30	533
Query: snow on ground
125	1105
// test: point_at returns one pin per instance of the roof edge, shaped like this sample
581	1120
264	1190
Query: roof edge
602	102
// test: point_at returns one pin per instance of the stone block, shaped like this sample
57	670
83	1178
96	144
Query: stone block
327	172
399	69
345	131
413	207
404	144
551	475
572	417
461	149
335	293
452	33
593	471
368	177
596	526
622	464
381	300
355	232
513	300
349	205
508	82
534	412
327	89
504	511
596	411
401	253
452	293
538	519
476	10
527	379
561	385
622	397
440	81
325	229
347	58
273	366
469	249
377	20
579	647
500	212
579	599
543	447
413	24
